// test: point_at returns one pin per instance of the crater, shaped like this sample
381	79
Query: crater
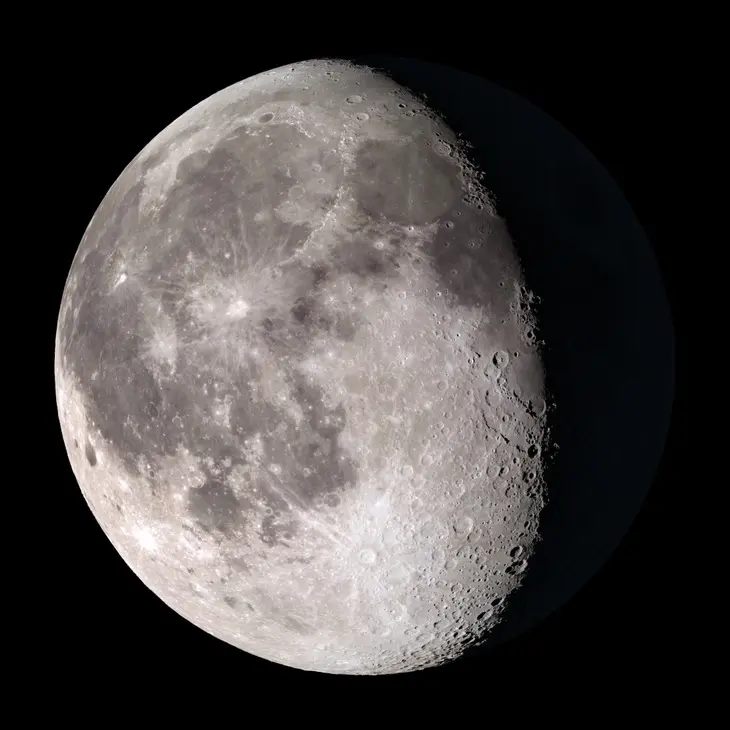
90	454
214	506
294	624
389	172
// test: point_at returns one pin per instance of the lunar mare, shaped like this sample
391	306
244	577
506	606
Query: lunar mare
298	380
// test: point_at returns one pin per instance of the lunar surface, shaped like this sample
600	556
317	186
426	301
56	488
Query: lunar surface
299	380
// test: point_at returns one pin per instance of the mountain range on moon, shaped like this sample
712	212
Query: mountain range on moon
220	422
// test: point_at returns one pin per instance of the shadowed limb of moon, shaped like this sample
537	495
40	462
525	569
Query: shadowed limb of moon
603	313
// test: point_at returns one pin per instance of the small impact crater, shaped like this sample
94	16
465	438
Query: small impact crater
214	506
90	454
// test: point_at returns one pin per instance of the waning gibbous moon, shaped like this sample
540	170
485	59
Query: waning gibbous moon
298	376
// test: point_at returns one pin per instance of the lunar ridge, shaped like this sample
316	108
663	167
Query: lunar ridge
298	376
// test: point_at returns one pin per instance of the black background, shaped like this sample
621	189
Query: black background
619	636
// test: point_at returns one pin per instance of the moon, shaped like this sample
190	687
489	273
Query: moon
299	380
